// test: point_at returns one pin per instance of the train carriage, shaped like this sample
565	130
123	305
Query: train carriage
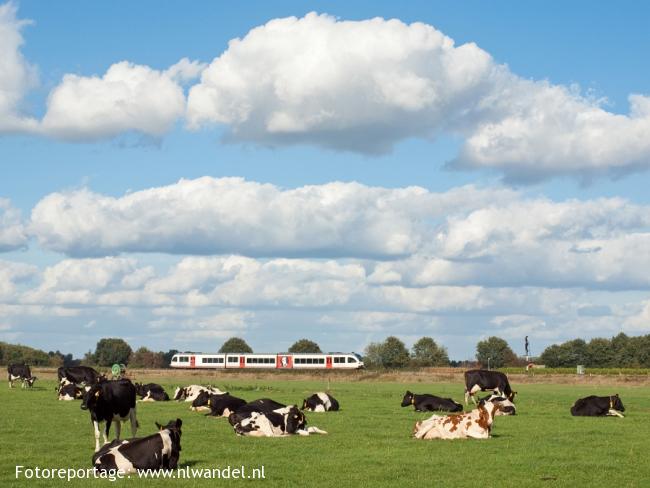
335	360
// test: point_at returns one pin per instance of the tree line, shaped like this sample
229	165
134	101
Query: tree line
621	351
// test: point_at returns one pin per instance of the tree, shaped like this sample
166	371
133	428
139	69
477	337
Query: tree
394	353
167	357
497	350
599	353
144	358
235	344
305	345
426	352
111	351
372	355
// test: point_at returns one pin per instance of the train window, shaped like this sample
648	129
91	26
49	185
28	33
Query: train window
321	360
272	360
234	359
352	360
174	359
184	359
310	360
299	361
339	359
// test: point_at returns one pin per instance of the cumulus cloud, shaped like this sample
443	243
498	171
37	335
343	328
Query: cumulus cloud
13	234
11	275
17	76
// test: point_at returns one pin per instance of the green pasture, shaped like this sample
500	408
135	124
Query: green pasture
368	445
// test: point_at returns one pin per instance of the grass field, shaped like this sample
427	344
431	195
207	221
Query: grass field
368	445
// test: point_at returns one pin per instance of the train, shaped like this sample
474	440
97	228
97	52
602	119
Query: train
284	360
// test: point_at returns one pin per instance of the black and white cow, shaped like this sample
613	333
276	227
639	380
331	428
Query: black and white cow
320	402
430	403
262	405
158	451
78	375
69	392
507	407
595	406
278	423
224	405
151	392
20	372
189	393
109	401
484	380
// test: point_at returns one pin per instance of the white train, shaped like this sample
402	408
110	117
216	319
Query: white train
288	360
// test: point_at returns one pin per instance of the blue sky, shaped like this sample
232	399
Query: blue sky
342	179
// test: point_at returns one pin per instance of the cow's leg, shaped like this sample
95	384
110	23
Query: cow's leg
96	427
134	422
615	413
472	393
118	428
11	383
107	430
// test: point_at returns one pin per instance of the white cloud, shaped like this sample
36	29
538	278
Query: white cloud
11	275
17	76
13	234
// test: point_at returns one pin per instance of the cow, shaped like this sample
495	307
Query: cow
151	392
595	406
320	402
277	423
109	401
507	407
476	424
483	380
78	375
430	403
158	451
189	393
20	372
224	405
70	392
262	405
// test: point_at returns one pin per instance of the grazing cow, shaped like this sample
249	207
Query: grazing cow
262	405
476	424
151	392
157	451
189	393
320	402
483	380
278	423
20	372
78	375
224	405
595	406
430	403
70	392
109	401
507	407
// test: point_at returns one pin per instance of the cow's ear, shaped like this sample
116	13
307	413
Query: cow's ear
179	422
160	427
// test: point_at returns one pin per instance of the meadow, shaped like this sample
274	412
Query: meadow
368	445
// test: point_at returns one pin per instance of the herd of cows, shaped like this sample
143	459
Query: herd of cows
114	401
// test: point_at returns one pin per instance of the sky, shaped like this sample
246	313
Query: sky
176	174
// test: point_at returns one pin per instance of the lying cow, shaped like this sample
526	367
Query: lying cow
262	405
109	401
68	392
320	402
189	393
430	403
507	407
218	405
595	406
484	380
278	423
151	392
20	372
476	424
157	451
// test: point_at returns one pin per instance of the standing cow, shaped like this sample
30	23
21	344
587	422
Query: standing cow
78	375
484	380
109	401
20	372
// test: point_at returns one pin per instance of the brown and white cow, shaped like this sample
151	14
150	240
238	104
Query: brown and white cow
476	424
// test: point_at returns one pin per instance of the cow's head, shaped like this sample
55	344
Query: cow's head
91	397
511	397
180	393
173	428
30	380
408	399
294	420
615	403
201	400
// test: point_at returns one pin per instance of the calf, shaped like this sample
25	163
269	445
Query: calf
430	403
278	423
262	405
476	424
109	401
595	406
224	405
78	375
20	372
189	393
320	402
507	407
157	451
151	392
70	392
483	380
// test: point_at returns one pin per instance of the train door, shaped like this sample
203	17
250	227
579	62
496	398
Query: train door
242	362
192	361
328	362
